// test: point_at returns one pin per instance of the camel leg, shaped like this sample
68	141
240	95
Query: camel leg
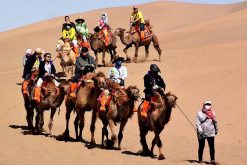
96	58
66	132
147	51
81	124
120	134
136	53
143	133
92	126
103	57
104	132
154	141
39	120
113	136
53	111
156	45
125	51
159	144
76	124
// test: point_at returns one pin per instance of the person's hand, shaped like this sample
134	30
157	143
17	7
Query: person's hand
162	89
155	87
46	74
83	67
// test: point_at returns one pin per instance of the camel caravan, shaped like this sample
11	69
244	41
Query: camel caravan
105	96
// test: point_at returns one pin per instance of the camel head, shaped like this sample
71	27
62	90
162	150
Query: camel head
133	93
64	87
170	99
100	80
119	32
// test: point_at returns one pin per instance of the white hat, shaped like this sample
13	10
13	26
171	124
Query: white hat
39	51
29	51
207	102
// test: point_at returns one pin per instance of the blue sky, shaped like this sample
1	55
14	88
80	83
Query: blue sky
16	13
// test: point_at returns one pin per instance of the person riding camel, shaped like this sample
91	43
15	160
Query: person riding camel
153	82
118	74
67	21
70	33
46	68
26	56
136	19
85	63
31	65
81	28
104	25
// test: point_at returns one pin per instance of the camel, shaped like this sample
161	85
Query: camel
51	100
28	99
156	121
98	45
134	38
67	57
86	100
120	109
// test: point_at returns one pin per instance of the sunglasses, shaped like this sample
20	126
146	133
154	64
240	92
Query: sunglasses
48	56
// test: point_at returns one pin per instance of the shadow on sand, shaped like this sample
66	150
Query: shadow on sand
204	162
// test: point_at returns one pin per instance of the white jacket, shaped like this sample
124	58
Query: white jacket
206	127
115	74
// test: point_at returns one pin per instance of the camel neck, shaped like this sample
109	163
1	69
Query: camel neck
166	114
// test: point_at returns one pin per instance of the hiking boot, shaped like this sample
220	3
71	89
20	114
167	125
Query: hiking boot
144	114
72	94
24	87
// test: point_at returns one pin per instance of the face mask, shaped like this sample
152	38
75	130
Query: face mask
118	63
207	106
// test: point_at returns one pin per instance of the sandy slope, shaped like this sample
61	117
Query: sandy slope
204	56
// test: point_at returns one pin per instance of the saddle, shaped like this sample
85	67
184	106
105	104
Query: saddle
48	87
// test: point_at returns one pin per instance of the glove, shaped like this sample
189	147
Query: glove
155	87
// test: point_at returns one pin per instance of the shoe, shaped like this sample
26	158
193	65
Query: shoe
144	114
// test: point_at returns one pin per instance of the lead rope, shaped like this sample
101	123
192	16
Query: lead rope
186	117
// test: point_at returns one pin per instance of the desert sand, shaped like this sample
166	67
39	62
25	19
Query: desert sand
204	56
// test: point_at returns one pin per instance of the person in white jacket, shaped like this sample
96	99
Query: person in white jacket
207	128
118	73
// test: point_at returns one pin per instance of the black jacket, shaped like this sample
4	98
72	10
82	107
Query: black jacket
84	62
150	81
42	70
29	65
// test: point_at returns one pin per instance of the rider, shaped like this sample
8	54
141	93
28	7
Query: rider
26	56
84	63
104	25
118	73
67	21
31	65
81	28
136	19
153	82
46	68
69	32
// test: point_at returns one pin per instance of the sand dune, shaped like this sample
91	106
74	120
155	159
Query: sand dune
204	56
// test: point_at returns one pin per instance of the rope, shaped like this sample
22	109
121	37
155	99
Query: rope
186	117
54	59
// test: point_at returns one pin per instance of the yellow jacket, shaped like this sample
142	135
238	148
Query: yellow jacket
69	33
137	15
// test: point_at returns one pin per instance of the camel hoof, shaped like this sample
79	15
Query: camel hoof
161	157
135	59
92	142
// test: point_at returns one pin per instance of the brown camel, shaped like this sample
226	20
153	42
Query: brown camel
88	83
67	57
156	121
134	38
86	100
120	109
98	45
51	100
28	99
